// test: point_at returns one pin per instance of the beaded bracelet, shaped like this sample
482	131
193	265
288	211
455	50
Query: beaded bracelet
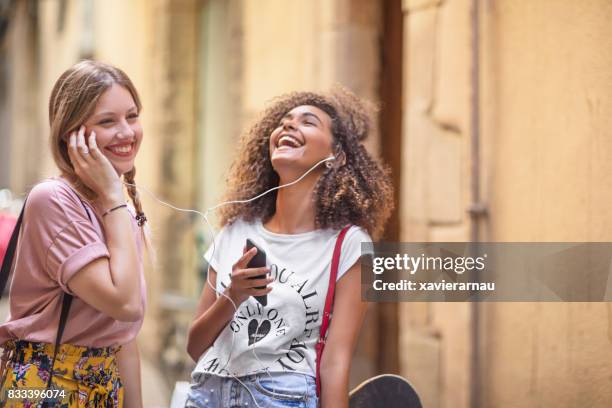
113	209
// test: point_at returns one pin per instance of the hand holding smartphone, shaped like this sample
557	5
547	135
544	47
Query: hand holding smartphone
258	261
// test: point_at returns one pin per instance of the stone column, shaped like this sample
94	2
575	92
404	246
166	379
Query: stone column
435	337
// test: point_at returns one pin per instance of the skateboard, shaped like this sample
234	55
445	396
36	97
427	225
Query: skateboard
384	391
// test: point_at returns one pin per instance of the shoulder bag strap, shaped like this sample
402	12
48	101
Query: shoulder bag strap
5	273
329	301
7	262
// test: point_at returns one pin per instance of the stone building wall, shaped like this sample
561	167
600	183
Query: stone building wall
545	176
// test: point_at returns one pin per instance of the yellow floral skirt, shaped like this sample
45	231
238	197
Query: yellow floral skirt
82	376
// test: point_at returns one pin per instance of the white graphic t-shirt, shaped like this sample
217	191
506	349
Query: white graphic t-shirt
280	336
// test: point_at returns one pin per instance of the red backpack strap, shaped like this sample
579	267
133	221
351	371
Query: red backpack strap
329	301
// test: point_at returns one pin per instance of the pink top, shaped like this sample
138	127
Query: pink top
57	240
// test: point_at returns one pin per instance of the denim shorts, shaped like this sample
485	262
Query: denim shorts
265	390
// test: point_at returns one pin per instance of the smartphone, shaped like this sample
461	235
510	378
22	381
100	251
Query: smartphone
258	261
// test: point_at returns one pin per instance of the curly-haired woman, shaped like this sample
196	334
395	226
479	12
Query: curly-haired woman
80	252
265	356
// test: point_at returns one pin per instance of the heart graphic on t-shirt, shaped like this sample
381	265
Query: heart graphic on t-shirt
258	331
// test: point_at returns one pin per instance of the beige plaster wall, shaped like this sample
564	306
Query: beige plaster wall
546	89
546	176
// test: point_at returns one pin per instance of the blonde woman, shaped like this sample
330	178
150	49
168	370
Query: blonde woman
81	244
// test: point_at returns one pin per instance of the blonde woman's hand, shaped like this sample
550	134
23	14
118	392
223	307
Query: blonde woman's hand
94	169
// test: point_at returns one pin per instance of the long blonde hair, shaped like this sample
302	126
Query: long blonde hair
73	99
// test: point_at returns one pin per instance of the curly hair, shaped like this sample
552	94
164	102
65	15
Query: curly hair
358	191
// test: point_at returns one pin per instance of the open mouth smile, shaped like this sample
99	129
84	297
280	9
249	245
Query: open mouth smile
288	141
122	149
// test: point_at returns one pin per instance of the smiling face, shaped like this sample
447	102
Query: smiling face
303	138
117	125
